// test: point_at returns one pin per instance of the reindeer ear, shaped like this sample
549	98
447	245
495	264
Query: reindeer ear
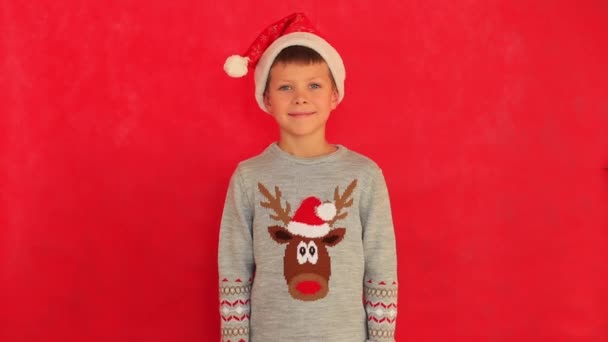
280	234
334	236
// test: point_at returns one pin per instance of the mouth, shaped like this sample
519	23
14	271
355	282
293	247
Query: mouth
301	114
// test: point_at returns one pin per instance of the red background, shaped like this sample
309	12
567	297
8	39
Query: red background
119	132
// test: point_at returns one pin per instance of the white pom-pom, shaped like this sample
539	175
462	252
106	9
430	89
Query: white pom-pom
326	211
236	66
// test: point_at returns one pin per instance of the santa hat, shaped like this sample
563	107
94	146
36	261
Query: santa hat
310	220
293	30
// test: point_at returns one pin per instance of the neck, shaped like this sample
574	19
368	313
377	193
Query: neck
306	146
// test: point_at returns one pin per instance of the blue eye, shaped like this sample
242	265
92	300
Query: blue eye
284	87
315	85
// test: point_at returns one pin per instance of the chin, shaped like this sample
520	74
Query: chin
299	133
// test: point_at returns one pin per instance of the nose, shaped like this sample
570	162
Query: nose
300	97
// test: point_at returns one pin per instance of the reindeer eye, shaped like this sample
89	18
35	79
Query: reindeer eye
301	252
313	256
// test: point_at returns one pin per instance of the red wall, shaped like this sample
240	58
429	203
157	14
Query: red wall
119	131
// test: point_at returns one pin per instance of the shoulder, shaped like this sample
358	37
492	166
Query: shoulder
362	162
253	164
370	177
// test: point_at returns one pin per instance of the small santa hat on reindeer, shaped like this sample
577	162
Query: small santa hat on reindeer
292	30
311	218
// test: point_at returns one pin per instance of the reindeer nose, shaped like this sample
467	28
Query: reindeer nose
308	287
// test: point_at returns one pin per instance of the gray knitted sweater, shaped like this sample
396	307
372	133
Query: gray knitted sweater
307	250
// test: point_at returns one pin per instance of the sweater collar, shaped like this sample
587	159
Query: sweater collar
276	150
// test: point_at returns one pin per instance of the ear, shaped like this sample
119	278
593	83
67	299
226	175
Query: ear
334	98
280	234
334	237
267	100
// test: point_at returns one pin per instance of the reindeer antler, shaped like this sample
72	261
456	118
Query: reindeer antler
342	201
274	203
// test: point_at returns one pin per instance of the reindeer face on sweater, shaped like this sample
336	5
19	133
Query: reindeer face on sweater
306	264
307	236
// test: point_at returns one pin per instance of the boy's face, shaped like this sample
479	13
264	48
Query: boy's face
300	97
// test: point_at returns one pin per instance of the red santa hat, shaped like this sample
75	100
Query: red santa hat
310	220
293	30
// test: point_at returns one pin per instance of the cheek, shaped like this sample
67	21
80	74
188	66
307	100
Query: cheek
280	100
326	99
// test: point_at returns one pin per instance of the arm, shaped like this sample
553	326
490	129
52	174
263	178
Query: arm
380	283
235	261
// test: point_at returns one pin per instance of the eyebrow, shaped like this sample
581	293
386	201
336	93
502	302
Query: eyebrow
308	80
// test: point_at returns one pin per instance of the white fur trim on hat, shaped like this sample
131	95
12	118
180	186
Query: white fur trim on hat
326	211
311	40
307	230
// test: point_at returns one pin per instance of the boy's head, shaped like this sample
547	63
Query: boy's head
298	55
300	92
290	41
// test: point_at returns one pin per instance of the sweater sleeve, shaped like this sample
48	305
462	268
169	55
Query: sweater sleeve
235	262
380	281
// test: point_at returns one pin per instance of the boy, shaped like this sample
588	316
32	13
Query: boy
300	276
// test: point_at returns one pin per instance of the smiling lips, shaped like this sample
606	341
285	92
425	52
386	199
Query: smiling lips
300	114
